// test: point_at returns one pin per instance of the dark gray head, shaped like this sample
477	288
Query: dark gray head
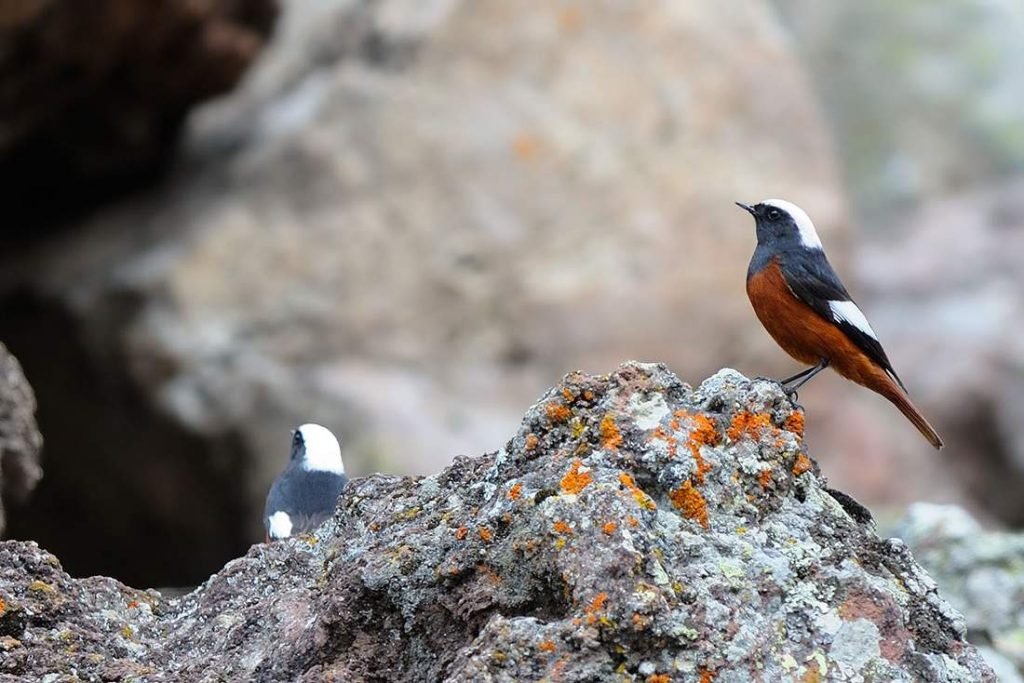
781	223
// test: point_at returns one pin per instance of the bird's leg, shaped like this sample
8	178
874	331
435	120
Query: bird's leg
801	378
797	375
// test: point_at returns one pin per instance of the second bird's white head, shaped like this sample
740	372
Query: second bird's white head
315	449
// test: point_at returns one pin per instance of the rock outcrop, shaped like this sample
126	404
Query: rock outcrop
93	95
981	574
634	528
408	217
20	440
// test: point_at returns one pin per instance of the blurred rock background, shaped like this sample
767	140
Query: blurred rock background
410	217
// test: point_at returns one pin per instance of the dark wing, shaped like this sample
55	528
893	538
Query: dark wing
811	278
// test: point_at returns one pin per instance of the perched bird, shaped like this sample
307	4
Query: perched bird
304	495
799	299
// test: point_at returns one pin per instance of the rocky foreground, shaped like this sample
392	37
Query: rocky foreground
634	529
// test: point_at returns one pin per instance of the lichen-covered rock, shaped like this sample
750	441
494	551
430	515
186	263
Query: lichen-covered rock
980	572
20	440
633	529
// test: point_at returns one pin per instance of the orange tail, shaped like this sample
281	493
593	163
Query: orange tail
899	398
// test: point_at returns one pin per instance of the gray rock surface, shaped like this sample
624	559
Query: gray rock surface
980	572
410	216
633	529
20	440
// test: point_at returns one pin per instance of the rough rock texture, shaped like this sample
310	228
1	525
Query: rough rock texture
980	572
409	217
20	440
93	94
964	341
633	529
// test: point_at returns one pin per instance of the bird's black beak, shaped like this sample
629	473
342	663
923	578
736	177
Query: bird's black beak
750	209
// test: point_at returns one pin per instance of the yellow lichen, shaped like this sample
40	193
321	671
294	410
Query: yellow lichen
641	498
41	587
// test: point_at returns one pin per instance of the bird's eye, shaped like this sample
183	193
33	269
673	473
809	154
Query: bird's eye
774	214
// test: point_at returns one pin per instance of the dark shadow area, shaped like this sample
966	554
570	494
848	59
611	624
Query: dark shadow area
125	492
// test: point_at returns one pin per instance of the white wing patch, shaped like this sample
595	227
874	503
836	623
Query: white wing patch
323	454
847	311
280	525
808	235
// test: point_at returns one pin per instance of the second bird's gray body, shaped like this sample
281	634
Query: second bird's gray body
306	493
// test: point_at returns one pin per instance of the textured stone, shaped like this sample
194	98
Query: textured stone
980	572
634	528
20	440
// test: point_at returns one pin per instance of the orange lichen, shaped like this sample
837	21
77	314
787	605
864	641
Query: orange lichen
801	464
576	479
812	675
461	532
561	527
632	521
568	395
640	622
132	604
659	678
570	19
638	494
3	606
515	491
609	528
749	424
706	675
688	500
532	440
794	423
526	146
588	395
765	478
557	412
596	605
546	646
611	437
485	534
